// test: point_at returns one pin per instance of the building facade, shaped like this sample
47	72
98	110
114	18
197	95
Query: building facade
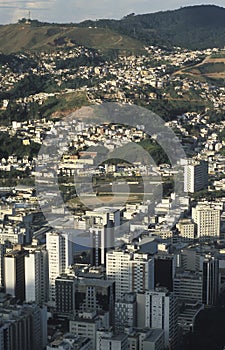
131	271
60	257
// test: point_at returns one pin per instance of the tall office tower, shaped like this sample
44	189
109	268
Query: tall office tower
126	312
188	286
36	275
160	309
23	327
190	260
96	296
102	241
207	218
210	280
195	176
165	266
65	296
75	295
14	273
132	271
200	284
60	257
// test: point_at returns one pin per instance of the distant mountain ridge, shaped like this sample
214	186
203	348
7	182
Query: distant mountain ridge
193	27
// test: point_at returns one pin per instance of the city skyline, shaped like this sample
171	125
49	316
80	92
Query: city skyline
56	11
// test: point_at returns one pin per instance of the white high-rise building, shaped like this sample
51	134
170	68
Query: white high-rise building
60	257
131	271
207	218
36	275
160	309
195	176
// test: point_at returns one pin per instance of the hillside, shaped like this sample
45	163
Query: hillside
191	27
18	37
195	27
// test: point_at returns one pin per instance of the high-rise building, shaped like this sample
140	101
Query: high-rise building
132	271
200	286
165	265
195	176
160	309
210	279
190	259
95	295
103	240
126	312
36	275
188	286
60	257
207	219
23	327
14	273
2	253
75	295
65	295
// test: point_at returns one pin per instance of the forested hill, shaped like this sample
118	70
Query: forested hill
195	27
191	27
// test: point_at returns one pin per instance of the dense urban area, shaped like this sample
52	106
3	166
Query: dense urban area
142	274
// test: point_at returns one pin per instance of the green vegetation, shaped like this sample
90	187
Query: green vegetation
61	103
16	64
156	152
205	194
207	68
45	36
14	146
220	54
15	177
134	153
215	67
194	27
64	103
33	84
168	109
